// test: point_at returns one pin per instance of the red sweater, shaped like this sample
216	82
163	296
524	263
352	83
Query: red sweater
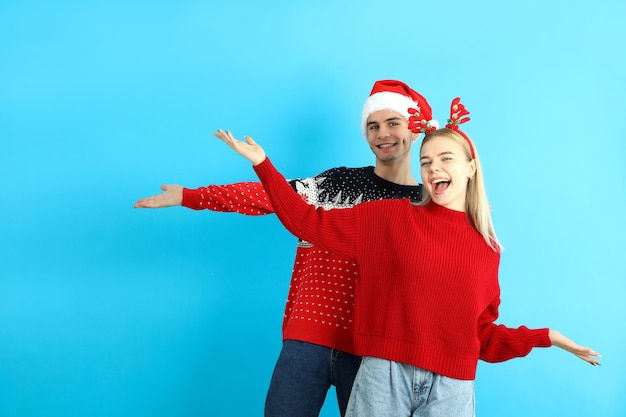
320	302
428	293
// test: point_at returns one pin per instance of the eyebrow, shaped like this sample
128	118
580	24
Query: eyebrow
386	120
441	154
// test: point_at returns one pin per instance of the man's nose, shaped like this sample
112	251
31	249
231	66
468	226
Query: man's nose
383	131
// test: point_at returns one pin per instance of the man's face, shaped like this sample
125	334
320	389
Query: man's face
388	136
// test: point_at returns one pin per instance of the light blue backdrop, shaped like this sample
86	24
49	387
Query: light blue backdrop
110	311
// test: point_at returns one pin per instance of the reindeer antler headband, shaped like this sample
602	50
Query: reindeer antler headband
418	124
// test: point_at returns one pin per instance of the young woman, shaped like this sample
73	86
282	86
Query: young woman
428	295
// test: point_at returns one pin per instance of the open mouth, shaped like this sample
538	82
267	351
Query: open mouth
440	185
386	145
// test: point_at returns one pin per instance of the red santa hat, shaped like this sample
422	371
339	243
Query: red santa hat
395	96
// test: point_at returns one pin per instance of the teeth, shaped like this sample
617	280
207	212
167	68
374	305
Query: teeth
437	181
387	145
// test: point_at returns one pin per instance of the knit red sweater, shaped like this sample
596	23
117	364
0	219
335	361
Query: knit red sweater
428	293
320	302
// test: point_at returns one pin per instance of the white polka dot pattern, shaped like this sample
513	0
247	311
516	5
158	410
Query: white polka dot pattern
320	302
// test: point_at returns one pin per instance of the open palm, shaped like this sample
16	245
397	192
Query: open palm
248	149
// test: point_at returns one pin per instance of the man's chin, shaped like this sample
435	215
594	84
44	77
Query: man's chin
390	160
388	157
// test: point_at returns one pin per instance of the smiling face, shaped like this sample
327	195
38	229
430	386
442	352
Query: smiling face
389	136
446	169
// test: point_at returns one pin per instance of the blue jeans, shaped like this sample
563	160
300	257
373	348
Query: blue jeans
392	389
303	375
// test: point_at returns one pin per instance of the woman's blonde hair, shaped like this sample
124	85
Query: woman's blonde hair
476	204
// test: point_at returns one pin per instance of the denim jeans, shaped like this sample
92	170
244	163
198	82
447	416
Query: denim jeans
391	389
303	375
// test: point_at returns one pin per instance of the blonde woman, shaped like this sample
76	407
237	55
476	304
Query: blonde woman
428	296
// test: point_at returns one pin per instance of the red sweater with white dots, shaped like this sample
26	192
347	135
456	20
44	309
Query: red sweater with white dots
428	292
320	302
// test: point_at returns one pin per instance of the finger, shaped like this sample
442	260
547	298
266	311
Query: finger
249	140
164	187
230	136
591	360
221	135
142	200
586	351
141	204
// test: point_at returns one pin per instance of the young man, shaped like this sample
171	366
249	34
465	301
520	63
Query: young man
318	322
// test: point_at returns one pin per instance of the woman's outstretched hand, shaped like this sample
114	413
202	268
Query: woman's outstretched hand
248	149
584	353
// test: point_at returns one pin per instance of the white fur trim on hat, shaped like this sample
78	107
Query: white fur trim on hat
386	100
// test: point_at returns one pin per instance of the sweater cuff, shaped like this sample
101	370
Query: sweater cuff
264	168
191	199
542	338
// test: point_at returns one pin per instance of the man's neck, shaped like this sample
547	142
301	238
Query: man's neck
396	173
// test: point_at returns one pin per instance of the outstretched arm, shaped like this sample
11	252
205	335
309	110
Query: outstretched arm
244	198
500	343
584	353
248	198
172	195
335	230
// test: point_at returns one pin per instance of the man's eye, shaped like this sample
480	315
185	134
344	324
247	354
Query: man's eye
425	164
373	127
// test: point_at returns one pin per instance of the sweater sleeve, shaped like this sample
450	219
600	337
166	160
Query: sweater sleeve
247	198
336	230
499	343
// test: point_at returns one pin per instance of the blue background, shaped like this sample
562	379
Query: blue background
106	310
